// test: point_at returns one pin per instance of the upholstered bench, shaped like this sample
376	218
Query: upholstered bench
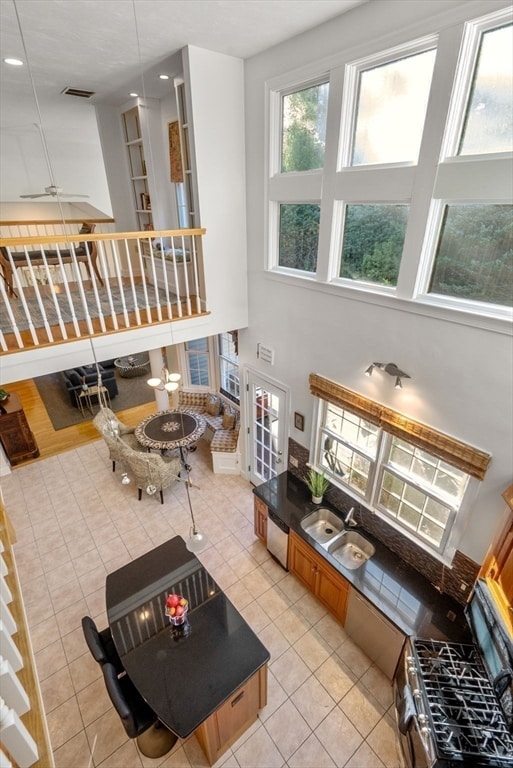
223	427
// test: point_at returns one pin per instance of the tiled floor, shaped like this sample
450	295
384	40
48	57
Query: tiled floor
75	522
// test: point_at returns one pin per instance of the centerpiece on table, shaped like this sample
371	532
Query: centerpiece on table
176	609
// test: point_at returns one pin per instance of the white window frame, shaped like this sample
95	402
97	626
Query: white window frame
183	357
457	519
219	357
435	178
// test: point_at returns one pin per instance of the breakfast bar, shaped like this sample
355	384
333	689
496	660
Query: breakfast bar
208	676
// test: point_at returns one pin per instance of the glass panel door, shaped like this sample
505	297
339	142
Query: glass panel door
267	430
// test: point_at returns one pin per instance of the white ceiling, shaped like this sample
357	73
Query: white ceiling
106	45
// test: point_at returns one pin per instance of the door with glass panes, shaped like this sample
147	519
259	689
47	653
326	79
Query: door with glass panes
267	410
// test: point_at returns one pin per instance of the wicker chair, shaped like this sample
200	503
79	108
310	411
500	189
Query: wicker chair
151	470
116	434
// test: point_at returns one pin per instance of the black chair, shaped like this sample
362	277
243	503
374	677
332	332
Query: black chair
139	720
101	644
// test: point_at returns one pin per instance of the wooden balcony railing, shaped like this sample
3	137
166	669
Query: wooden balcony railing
62	287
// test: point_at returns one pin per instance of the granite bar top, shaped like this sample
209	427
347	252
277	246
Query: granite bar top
184	673
392	586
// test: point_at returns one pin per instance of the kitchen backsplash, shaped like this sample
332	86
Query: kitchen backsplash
456	581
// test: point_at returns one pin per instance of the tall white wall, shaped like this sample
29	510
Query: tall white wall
461	374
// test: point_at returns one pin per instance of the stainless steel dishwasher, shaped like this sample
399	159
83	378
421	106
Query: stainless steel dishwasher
373	633
277	538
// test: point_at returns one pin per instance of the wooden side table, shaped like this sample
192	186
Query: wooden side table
84	396
16	436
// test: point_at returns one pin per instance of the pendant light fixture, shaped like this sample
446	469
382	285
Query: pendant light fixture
197	541
167	381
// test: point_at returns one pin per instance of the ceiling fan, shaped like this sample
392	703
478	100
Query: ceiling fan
53	191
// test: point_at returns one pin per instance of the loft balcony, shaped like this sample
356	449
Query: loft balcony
59	287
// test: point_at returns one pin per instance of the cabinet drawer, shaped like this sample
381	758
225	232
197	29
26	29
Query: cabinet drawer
236	712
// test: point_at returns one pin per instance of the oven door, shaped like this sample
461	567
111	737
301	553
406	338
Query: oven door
416	742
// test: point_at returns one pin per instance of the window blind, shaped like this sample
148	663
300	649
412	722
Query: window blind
465	457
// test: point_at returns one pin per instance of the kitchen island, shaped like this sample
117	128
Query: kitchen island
208	676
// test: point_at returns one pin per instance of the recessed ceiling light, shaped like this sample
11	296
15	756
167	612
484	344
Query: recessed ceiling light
14	62
164	77
133	94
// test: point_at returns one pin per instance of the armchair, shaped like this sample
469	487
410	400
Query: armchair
116	434
151	470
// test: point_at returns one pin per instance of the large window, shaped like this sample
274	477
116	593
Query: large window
369	190
197	357
229	366
304	128
420	480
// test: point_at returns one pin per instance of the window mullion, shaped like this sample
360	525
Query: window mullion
446	63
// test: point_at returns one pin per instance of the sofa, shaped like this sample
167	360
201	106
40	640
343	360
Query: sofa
223	426
74	378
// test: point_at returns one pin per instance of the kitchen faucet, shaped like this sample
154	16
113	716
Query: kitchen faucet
349	520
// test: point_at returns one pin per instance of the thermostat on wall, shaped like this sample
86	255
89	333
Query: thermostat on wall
266	354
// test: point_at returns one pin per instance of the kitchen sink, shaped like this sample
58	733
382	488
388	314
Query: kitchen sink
322	525
350	549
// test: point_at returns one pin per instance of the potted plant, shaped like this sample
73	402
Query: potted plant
317	484
3	394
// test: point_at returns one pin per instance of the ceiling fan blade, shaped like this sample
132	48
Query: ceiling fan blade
70	194
43	194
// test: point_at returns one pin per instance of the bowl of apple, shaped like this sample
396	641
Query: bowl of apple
176	609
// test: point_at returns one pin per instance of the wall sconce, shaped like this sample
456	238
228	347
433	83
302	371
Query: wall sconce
168	381
392	370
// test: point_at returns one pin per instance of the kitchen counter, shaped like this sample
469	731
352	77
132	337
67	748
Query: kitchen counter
392	586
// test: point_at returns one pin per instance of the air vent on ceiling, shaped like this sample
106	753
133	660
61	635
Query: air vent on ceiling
83	94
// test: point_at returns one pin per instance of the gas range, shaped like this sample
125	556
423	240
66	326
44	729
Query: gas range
454	702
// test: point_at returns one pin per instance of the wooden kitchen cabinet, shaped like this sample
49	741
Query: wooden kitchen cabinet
233	717
497	567
16	436
328	586
260	512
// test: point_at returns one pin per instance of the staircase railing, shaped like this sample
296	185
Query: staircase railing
62	287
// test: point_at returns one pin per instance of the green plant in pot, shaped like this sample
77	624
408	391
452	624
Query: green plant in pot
317	484
3	395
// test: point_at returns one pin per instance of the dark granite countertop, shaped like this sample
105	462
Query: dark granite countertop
184	673
402	594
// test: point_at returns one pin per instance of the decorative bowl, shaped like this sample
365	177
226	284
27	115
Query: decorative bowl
177	614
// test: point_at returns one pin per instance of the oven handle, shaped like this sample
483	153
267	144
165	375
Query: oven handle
406	710
502	681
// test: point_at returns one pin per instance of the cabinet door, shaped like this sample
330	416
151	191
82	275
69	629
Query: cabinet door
260	519
302	562
241	708
332	590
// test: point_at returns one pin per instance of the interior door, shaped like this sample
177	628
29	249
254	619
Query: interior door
267	433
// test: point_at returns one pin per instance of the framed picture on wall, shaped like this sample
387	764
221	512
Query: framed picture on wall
175	153
299	421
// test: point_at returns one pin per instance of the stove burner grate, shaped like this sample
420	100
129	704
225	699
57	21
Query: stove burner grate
465	717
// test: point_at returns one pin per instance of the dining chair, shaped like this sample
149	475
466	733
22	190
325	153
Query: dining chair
101	644
151	471
115	433
139	720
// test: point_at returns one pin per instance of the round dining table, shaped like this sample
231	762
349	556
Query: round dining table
169	430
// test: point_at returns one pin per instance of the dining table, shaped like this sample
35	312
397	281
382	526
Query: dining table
170	430
207	676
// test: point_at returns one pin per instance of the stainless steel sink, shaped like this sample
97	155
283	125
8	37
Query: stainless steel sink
322	525
350	549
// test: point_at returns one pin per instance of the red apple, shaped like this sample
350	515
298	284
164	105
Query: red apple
172	601
179	610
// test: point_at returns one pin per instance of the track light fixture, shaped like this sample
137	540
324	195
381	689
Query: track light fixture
168	381
392	370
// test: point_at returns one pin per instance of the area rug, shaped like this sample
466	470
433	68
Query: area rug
56	400
129	301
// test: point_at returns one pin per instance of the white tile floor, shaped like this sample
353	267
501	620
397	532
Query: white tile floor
327	704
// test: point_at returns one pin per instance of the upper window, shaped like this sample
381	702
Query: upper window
299	236
474	255
304	129
489	114
392	101
373	242
372	192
